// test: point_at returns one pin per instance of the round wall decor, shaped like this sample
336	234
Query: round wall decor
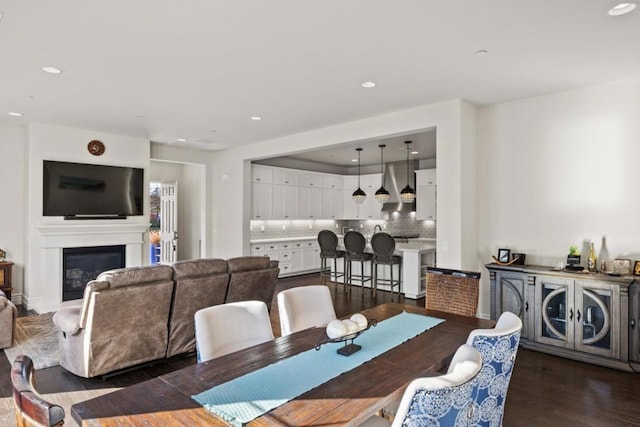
96	147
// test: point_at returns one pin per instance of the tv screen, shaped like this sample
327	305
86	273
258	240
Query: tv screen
77	189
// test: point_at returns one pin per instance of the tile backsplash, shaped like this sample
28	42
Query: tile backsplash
398	223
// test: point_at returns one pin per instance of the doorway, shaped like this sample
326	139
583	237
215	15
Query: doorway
189	219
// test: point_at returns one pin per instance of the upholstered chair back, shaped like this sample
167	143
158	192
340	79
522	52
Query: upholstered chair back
304	307
198	284
498	347
8	315
252	278
122	321
445	400
227	328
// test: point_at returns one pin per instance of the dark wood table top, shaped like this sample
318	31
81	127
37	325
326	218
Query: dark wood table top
347	399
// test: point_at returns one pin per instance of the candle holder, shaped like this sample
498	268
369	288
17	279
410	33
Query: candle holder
349	347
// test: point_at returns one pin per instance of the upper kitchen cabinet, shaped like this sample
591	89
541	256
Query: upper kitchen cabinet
261	201
309	179
426	194
261	174
285	177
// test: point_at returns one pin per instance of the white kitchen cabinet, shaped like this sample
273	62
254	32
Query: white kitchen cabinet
332	181
349	207
310	179
285	177
309	202
261	174
285	202
331	203
426	194
261	201
311	260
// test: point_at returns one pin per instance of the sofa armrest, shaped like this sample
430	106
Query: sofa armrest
68	319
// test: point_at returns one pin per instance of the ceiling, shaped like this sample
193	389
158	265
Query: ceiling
199	70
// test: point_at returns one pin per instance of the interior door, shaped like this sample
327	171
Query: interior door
168	222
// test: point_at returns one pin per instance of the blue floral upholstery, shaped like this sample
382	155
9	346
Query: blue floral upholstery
446	400
445	407
498	358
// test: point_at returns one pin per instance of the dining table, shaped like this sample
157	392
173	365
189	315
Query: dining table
345	400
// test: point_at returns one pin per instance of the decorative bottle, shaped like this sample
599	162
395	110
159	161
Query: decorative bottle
603	256
591	261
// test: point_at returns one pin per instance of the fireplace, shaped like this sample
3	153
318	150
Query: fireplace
81	265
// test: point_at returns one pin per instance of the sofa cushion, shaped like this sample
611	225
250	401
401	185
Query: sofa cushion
198	268
136	275
252	278
198	284
248	263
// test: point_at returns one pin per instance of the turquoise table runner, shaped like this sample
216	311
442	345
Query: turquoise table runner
251	395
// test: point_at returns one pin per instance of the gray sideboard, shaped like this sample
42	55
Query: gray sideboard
590	317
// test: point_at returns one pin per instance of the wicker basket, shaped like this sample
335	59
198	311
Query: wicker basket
452	291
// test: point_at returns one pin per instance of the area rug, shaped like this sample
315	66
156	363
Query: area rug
36	337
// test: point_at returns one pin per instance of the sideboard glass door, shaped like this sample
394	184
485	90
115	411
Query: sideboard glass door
596	330
555	299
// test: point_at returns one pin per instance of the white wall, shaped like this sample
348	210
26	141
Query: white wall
13	202
231	177
555	170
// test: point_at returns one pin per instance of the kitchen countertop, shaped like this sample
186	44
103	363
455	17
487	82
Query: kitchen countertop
315	237
283	239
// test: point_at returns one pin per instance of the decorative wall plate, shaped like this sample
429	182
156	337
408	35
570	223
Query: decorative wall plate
96	147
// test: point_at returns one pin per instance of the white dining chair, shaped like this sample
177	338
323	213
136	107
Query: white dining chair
304	307
445	400
226	328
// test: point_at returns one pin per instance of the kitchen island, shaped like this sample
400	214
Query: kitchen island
301	255
417	255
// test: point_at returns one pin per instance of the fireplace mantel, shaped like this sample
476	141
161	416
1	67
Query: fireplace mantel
51	239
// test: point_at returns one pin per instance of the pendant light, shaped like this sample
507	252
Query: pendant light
359	195
408	194
382	195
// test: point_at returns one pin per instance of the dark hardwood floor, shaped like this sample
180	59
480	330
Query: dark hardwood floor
544	391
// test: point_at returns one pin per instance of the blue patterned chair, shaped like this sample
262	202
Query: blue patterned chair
445	400
498	347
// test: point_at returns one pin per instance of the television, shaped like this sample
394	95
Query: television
85	191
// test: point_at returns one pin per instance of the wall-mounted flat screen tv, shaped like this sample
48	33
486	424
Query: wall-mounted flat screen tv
78	190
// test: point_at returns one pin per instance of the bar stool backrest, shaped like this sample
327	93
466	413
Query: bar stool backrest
328	242
383	246
354	243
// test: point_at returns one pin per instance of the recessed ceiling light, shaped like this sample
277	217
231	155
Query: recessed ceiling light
15	114
414	152
369	84
354	160
139	116
181	140
52	70
256	118
481	52
623	8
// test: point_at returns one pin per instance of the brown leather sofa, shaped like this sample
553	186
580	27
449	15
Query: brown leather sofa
198	284
252	278
130	316
8	315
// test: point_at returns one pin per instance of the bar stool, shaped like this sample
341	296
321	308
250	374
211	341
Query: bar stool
354	243
383	246
328	242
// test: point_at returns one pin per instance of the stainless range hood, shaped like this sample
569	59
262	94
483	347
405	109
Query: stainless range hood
395	179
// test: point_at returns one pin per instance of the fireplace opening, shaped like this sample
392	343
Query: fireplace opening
81	265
